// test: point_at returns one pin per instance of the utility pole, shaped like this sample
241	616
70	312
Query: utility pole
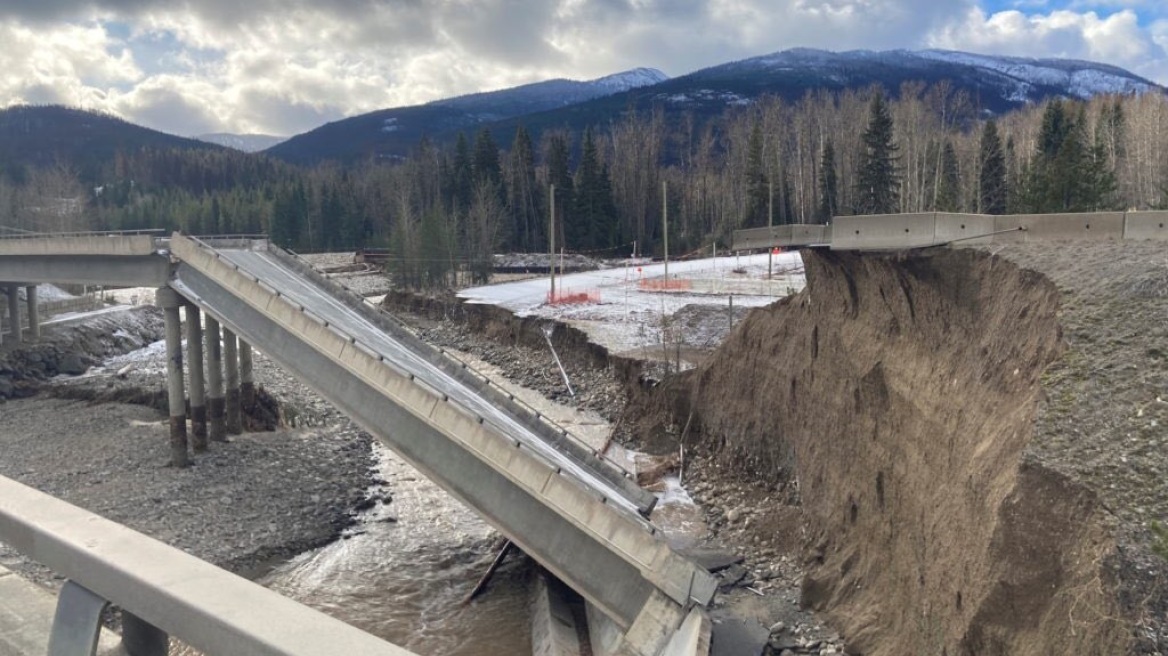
552	240
665	225
771	229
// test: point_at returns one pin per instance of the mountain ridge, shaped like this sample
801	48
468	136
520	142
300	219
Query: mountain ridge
997	83
391	133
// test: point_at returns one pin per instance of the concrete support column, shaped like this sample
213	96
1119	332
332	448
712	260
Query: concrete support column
218	431
168	300
195	372
34	313
247	392
231	371
14	314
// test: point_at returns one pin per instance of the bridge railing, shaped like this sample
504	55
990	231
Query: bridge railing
85	233
162	589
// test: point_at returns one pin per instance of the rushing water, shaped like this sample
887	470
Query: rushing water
406	580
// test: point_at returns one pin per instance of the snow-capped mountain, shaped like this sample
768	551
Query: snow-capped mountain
390	133
549	94
248	143
998	82
1081	79
994	84
632	79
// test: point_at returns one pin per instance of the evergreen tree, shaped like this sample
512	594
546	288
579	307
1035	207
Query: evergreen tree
461	174
758	191
828	185
991	183
878	174
561	176
949	186
521	195
593	221
1069	173
214	220
434	243
486	160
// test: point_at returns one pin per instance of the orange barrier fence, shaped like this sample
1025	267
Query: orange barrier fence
661	285
569	297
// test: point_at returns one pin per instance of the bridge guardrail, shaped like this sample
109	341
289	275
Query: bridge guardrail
927	229
169	590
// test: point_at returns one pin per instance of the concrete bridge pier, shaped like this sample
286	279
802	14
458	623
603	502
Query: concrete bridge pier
234	418
218	431
34	314
195	373
14	314
168	300
247	392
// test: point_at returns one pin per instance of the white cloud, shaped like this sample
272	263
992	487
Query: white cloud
287	66
75	64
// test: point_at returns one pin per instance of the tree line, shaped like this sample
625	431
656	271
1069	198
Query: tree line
450	208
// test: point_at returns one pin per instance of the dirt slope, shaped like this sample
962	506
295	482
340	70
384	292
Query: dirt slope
954	422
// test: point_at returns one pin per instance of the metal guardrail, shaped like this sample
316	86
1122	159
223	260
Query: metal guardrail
99	233
164	589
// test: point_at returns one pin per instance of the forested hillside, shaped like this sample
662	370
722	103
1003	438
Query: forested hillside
923	148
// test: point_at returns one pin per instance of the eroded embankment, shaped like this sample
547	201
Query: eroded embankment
900	394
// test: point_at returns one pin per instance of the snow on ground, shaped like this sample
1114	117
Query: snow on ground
628	313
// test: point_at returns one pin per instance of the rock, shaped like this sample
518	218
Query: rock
778	627
6	388
71	364
734	515
712	559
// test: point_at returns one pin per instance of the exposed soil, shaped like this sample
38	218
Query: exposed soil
968	481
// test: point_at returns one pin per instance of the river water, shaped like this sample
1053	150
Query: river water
406	581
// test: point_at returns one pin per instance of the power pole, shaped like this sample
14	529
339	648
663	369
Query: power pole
552	240
771	229
665	224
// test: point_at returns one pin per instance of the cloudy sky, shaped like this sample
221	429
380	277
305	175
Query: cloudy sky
285	66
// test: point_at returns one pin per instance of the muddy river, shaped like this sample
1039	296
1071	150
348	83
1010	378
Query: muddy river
406	580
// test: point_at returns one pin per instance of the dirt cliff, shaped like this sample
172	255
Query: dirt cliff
976	440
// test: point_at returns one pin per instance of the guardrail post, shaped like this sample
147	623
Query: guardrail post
140	638
198	389
14	314
247	393
77	621
234	419
218	432
168	300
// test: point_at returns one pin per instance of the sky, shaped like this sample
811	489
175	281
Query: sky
283	67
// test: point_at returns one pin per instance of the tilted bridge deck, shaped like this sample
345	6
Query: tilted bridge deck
565	505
